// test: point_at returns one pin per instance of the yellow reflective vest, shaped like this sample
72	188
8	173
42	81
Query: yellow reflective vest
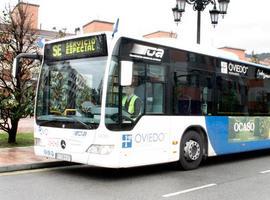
131	105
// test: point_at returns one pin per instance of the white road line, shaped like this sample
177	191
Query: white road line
265	172
189	190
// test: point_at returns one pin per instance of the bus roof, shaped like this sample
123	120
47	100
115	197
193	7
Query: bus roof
173	43
201	49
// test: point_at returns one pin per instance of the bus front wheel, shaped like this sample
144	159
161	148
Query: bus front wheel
191	150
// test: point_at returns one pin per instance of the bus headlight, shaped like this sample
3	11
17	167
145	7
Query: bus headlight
100	149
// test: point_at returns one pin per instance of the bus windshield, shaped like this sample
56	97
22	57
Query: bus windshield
69	93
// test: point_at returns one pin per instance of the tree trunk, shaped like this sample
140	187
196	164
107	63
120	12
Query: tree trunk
13	131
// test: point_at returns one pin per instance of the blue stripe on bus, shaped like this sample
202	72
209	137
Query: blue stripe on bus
217	129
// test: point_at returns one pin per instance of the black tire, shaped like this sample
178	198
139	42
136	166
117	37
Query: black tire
191	150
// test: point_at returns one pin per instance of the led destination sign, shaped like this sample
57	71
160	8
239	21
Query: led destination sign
85	47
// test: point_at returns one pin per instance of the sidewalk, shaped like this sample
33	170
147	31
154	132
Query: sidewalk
23	158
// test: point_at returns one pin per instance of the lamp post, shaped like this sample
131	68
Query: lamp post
199	6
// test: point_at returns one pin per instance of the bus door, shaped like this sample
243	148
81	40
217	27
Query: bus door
150	133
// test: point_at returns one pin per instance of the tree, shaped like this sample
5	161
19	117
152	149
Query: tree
16	94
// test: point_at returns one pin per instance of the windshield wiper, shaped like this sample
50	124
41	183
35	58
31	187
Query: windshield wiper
42	120
64	120
88	126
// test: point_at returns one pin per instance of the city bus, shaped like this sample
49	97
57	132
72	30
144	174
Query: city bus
195	103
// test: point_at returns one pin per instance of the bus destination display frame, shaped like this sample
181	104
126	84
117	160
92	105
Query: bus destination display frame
85	47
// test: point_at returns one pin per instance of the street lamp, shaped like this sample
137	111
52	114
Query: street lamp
177	14
223	6
181	5
199	6
214	15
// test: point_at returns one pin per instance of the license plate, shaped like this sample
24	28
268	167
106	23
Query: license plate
65	157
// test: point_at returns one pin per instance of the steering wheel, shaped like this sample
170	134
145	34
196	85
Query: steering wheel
115	118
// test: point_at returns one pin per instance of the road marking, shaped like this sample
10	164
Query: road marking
265	172
189	190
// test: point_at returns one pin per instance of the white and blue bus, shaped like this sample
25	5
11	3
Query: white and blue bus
194	103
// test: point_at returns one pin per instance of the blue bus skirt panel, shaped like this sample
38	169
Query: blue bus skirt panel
237	134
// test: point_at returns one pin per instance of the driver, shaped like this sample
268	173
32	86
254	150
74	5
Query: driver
131	103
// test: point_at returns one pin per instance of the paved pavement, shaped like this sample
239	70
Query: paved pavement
23	158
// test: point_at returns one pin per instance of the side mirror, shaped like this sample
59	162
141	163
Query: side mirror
15	66
126	73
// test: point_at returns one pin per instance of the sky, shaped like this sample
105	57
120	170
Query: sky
245	26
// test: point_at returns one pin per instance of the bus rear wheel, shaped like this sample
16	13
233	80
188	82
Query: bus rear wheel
191	150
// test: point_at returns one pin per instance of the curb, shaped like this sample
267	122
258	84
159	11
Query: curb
12	168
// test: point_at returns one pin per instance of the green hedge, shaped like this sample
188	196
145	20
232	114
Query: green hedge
22	140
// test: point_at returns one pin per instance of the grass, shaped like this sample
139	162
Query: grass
22	140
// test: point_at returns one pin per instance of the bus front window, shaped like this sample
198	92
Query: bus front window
69	93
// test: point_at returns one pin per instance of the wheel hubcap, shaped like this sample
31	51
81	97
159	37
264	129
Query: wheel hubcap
192	150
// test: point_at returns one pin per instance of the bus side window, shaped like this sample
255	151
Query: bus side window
192	92
155	89
155	98
231	93
204	95
206	88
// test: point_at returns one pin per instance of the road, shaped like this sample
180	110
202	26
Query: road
245	176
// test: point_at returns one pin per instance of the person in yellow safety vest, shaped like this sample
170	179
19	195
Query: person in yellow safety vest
131	102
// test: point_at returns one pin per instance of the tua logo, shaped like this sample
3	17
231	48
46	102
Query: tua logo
147	52
154	52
